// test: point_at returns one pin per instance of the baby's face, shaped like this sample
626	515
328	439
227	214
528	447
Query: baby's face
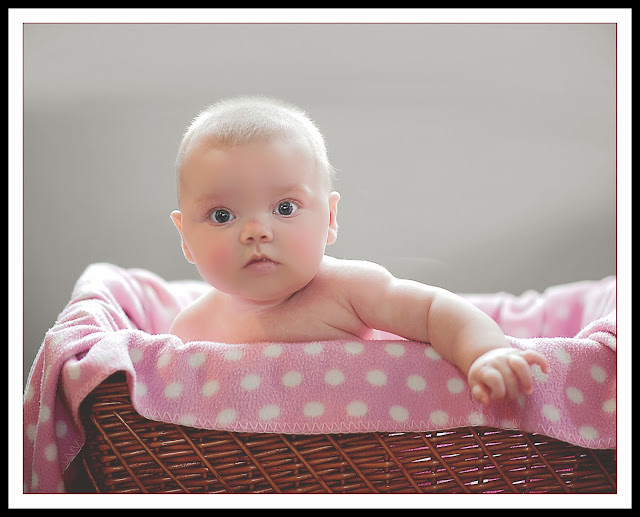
255	219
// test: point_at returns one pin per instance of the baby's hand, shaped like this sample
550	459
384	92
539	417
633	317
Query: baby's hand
499	373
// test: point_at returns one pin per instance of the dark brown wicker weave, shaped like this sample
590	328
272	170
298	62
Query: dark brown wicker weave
126	453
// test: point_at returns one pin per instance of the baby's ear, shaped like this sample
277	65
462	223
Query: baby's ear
176	217
332	234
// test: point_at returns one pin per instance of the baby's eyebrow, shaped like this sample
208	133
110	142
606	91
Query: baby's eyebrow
211	197
298	189
223	196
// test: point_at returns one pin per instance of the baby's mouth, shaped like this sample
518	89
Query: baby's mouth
260	261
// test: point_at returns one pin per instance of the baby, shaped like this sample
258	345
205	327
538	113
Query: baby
256	212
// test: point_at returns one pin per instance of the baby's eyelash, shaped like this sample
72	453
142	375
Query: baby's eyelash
287	206
221	216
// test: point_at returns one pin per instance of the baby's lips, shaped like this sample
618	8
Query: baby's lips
259	258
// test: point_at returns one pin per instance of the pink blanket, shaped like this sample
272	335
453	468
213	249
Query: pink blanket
118	319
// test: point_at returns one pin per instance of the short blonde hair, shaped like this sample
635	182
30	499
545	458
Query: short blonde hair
242	120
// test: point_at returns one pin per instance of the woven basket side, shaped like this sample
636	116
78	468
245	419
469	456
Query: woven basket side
126	453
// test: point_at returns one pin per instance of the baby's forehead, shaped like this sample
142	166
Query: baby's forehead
286	146
251	143
302	168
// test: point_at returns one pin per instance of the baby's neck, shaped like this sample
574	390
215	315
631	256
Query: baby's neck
242	305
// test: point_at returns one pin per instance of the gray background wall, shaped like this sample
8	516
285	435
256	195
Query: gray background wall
477	157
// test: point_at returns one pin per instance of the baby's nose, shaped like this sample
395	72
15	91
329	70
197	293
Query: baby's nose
256	231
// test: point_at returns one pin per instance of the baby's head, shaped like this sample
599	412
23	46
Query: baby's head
243	120
254	190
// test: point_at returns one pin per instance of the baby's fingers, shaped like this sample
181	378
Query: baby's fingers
493	381
509	380
533	357
520	367
481	394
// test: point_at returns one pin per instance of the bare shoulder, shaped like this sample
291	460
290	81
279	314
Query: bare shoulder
350	267
364	283
190	318
356	275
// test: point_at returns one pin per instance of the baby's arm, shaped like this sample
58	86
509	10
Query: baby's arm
460	332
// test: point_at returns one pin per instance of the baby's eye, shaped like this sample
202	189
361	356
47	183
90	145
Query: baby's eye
286	208
221	216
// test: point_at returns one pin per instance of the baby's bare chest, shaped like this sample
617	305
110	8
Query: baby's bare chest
301	320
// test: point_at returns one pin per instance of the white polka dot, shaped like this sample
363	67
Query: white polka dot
508	424
574	395
45	414
376	378
197	359
136	355
455	385
431	353
31	432
210	388
61	429
313	348
562	355
250	382
173	390
439	417
416	383
233	354
51	452
73	370
354	348
399	413
140	389
226	416
551	413
394	349
538	374
187	420
272	351
588	432
476	418
356	408
269	412
292	379
598	374
609	406
313	409
163	360
56	340
29	394
334	377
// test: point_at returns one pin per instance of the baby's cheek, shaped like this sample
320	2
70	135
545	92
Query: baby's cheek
221	256
308	245
215	266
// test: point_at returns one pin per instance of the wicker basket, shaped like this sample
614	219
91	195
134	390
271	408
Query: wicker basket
126	453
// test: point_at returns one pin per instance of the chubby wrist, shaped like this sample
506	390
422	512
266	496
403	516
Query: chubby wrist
461	332
473	343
